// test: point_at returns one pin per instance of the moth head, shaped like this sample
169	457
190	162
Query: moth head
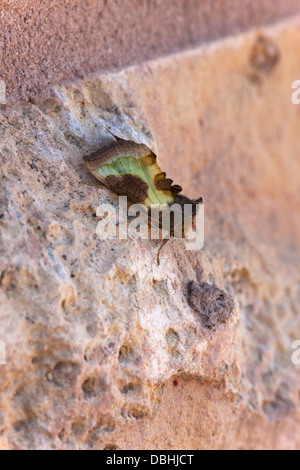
188	219
196	204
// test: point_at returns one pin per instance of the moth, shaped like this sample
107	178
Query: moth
131	169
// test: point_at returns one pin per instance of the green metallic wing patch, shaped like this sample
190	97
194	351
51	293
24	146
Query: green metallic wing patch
131	170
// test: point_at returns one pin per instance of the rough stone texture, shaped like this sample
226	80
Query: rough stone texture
46	41
107	350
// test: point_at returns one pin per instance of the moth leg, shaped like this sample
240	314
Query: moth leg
165	240
90	184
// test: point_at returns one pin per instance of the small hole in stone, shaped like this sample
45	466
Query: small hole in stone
131	388
93	387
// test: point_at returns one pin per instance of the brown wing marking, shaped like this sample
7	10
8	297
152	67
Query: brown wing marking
128	185
135	188
130	181
161	182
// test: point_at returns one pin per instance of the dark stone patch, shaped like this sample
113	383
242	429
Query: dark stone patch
94	387
264	54
213	304
135	411
277	410
64	374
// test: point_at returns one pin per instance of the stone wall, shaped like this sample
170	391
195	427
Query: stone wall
47	41
104	348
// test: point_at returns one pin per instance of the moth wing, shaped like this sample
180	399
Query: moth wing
131	170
